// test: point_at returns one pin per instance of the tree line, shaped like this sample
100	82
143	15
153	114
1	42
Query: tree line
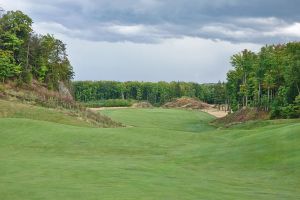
269	80
155	93
25	55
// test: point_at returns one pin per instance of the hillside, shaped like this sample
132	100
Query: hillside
166	154
37	102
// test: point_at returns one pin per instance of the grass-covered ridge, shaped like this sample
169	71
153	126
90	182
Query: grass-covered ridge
27	111
85	118
162	154
35	101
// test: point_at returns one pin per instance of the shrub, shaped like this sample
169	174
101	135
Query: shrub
8	67
27	77
280	110
276	110
297	106
2	88
288	111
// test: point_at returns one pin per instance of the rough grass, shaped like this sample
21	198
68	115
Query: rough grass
35	101
12	109
166	154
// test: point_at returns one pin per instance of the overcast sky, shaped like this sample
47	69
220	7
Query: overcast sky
154	40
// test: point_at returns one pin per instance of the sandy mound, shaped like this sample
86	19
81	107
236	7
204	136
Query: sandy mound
143	104
243	115
187	103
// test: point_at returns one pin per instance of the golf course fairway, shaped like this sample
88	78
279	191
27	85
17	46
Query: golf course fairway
160	155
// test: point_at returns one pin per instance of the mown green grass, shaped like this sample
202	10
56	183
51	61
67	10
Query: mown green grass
163	119
162	154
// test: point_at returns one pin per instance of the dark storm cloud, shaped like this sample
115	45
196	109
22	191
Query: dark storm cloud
152	20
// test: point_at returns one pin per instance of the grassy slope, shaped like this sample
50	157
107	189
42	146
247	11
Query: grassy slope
167	154
15	109
19	110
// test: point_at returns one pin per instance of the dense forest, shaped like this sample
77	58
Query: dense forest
156	93
269	80
25	55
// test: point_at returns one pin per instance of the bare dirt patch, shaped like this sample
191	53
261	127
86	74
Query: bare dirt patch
143	104
195	104
187	103
215	112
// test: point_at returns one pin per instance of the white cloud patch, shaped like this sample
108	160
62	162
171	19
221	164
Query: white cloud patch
127	30
286	31
227	31
268	21
260	30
